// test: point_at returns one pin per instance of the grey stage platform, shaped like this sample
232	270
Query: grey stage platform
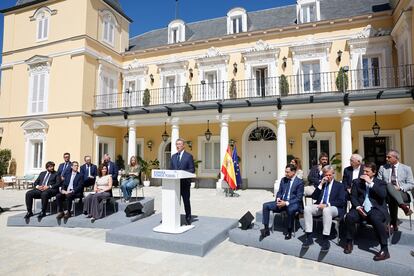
112	220
361	259
207	233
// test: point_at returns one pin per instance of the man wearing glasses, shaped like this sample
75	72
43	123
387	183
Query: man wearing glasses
399	179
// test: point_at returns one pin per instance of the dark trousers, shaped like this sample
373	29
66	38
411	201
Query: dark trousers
43	195
89	182
185	194
68	198
375	217
271	206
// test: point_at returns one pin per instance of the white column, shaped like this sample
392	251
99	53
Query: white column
175	134
224	142
132	142
346	136
281	143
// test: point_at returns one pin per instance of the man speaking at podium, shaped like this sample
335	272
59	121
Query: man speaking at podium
183	160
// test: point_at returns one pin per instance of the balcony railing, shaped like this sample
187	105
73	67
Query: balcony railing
281	86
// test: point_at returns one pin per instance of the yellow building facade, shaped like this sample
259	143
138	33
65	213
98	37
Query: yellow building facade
74	81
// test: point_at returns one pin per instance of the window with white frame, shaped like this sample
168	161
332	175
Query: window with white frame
310	76
209	155
35	136
39	81
236	21
176	31
308	11
42	26
108	89
109	25
371	71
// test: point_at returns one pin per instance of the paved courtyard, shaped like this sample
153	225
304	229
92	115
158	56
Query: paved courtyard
77	251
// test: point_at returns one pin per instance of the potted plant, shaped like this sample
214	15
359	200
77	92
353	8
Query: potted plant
283	85
196	163
147	97
342	80
147	167
233	89
187	94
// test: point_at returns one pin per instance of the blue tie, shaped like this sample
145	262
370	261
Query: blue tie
325	194
367	203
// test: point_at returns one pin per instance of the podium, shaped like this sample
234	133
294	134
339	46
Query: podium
171	219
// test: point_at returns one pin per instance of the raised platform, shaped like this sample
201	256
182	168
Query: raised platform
207	234
112	220
361	259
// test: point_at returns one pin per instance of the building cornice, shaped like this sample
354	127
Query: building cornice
46	116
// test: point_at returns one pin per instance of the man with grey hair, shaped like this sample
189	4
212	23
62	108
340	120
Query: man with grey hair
354	171
399	179
330	203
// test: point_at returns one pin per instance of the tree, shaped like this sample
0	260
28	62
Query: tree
187	94
233	89
342	80
5	156
147	97
283	85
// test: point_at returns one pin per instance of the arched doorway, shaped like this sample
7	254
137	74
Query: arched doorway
164	154
260	157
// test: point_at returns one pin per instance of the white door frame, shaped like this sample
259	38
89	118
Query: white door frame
331	136
111	147
393	134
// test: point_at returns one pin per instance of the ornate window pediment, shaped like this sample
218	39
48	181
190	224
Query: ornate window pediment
39	63
42	16
261	50
136	68
35	128
213	56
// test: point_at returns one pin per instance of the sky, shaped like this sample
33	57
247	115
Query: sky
155	14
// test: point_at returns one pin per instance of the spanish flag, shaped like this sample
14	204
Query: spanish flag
227	168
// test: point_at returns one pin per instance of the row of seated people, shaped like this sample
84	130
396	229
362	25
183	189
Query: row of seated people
67	184
367	193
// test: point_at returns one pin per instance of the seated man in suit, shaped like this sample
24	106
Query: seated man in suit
288	198
368	196
46	186
182	160
112	169
64	167
330	203
72	188
88	172
399	179
352	172
315	174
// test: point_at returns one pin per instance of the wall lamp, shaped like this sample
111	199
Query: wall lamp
339	57
189	144
203	82
232	142
149	145
191	73
151	78
291	142
235	68
284	62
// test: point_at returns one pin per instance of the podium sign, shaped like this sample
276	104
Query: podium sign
171	199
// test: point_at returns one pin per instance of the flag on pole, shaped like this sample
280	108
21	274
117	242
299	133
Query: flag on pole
227	168
237	168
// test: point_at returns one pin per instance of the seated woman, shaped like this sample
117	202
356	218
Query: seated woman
131	179
296	161
93	206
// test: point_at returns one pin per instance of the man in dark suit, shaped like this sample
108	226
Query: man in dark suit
368	196
399	179
288	198
88	172
183	160
46	186
315	174
352	172
330	203
72	188
64	167
112	169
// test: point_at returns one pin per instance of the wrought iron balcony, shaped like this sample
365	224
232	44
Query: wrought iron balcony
344	81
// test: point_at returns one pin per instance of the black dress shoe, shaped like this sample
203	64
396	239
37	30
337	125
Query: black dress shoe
188	220
308	242
382	255
325	246
264	233
288	236
41	215
28	215
348	248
